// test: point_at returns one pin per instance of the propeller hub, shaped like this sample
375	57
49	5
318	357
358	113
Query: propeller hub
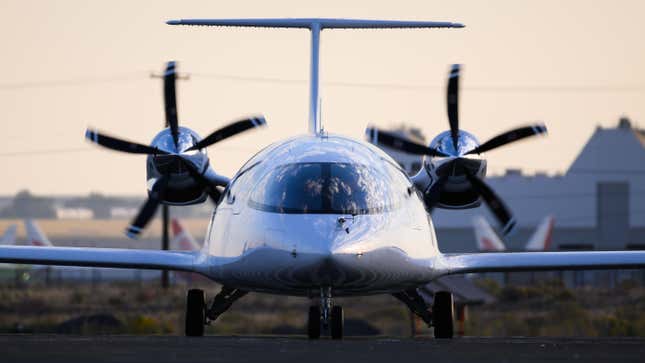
186	139
443	143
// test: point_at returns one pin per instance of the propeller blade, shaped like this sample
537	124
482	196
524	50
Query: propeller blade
170	100
114	143
213	192
228	131
397	142
149	208
509	137
453	103
494	203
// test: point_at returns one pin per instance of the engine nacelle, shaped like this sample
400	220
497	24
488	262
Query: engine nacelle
182	188
443	180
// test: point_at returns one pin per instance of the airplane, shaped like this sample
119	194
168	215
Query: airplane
9	236
182	239
489	241
318	215
35	235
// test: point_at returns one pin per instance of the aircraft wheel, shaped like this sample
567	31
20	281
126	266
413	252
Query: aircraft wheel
337	322
195	313
313	323
443	313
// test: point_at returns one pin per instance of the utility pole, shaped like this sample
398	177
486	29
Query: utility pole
165	243
165	210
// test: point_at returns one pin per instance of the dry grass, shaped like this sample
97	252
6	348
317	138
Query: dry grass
100	228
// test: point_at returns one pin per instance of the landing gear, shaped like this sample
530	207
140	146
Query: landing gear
195	313
313	323
325	316
442	315
337	322
413	300
222	302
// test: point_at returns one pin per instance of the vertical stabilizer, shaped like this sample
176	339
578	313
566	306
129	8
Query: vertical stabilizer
182	239
487	239
541	239
35	235
9	236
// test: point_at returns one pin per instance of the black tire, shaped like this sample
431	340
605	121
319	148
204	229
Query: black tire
313	322
443	313
195	313
337	322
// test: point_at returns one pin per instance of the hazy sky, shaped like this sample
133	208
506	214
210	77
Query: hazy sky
67	65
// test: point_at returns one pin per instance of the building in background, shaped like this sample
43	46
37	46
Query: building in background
598	204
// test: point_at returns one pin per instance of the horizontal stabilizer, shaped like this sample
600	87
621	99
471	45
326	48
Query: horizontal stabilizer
536	261
323	23
99	257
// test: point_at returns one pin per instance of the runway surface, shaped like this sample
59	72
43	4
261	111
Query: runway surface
56	348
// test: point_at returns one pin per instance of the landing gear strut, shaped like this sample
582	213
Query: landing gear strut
197	314
442	315
325	316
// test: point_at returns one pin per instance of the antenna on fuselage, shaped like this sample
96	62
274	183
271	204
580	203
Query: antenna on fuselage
316	25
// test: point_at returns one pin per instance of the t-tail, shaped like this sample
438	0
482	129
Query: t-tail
315	25
182	239
9	236
541	239
35	235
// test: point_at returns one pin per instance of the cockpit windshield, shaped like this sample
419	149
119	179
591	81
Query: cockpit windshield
326	188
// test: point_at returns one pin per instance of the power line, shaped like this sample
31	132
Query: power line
72	82
86	149
136	76
46	151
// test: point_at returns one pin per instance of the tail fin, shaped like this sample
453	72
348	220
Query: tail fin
35	236
541	239
182	238
9	236
487	239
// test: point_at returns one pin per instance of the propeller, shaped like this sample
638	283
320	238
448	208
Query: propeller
452	100
184	158
432	194
399	143
170	100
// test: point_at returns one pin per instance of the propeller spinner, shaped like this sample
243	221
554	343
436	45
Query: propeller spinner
178	171
454	170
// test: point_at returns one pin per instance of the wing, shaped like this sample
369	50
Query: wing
449	264
100	257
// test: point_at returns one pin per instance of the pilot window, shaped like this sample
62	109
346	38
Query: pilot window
324	188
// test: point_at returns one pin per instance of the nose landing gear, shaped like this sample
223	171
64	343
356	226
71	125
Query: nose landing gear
325	316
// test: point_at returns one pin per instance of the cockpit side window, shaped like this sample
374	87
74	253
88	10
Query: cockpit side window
325	188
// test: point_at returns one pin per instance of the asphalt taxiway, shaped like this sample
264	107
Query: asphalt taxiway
57	348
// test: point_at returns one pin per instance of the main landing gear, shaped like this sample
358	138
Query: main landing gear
197	313
442	315
325	316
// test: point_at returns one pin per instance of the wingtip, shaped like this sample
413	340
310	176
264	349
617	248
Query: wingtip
173	22
458	25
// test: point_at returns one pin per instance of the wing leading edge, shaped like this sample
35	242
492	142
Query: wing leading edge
450	264
100	257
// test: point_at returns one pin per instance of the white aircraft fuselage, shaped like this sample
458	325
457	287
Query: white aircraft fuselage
320	211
